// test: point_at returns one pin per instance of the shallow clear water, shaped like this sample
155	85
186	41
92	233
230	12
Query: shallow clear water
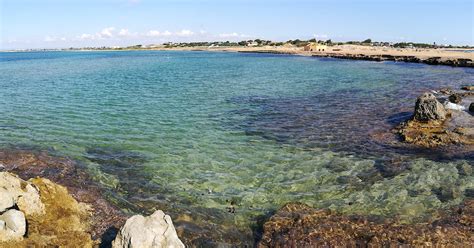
194	131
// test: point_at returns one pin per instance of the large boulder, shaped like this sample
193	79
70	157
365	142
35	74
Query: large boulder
12	225
428	108
156	230
15	191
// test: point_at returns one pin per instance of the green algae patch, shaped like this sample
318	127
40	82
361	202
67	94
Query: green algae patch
66	222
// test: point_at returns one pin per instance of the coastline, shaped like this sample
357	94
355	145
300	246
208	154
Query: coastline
430	56
356	52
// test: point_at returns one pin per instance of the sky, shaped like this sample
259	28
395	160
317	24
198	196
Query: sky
80	23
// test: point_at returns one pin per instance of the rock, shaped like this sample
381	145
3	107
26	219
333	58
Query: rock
468	88
25	195
65	222
453	106
446	91
14	227
471	107
156	230
6	200
298	225
455	98
428	108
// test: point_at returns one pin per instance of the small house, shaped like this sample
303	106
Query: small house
315	47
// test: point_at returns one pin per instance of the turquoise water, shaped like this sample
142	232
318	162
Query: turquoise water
193	132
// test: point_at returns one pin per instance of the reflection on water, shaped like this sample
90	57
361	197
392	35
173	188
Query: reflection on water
221	139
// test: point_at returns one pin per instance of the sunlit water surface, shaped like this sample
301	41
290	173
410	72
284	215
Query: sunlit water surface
194	132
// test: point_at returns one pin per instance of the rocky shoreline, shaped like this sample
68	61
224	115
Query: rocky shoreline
454	62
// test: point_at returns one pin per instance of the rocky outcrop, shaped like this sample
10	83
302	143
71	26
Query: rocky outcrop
298	225
434	124
455	62
156	230
428	108
17	199
53	216
31	164
17	192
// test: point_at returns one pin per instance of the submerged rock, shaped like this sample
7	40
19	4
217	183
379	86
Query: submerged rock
298	225
156	230
428	108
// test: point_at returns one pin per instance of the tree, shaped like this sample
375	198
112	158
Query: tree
367	41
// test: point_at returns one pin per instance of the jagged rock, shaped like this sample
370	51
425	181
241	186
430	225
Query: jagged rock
428	108
156	230
455	98
14	225
15	191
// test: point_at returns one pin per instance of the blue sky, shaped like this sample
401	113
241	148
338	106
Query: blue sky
55	23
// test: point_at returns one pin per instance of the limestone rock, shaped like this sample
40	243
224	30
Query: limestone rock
14	225
6	200
156	230
22	193
428	108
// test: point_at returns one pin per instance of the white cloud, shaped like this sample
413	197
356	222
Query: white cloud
167	33
53	38
153	33
231	35
321	36
49	39
87	37
185	32
124	32
106	33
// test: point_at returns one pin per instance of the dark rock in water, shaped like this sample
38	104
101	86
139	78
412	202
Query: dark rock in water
428	108
471	107
468	88
298	225
455	98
